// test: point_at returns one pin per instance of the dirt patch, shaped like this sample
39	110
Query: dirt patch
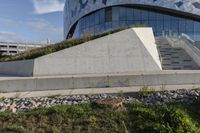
110	102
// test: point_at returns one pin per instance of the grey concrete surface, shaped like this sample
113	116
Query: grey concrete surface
185	44
21	84
17	68
92	91
126	51
174	58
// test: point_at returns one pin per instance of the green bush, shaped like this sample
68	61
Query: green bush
161	118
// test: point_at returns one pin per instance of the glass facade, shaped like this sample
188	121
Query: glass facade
114	17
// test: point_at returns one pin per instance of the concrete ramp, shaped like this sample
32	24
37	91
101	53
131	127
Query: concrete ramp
126	51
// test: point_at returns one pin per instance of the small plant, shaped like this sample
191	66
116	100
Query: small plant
13	129
2	98
92	120
144	91
125	128
54	96
163	87
17	95
120	93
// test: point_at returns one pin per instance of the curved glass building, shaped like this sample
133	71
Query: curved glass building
83	17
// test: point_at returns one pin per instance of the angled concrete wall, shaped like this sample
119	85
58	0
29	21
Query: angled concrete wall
125	51
148	40
17	68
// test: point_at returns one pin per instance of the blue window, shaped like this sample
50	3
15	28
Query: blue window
152	15
115	24
137	14
115	13
144	15
160	17
92	18
122	15
97	18
175	26
197	27
87	22
182	25
108	14
129	14
167	25
102	16
189	26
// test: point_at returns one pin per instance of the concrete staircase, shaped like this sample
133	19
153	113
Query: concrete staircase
174	58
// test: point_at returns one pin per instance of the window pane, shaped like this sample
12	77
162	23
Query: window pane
153	25
160	17
159	27
174	18
189	26
115	24
167	25
129	13
97	17
102	15
108	25
129	22
196	27
137	14
166	17
152	15
175	26
182	25
108	14
123	13
87	22
144	15
123	23
92	18
84	23
115	13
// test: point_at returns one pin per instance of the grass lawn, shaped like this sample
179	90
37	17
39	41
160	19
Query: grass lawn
87	118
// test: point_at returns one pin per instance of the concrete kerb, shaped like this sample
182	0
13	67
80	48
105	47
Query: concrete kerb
99	81
133	91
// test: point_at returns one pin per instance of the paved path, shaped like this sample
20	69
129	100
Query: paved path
94	91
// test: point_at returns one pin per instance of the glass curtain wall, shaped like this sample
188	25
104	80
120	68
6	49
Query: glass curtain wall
119	16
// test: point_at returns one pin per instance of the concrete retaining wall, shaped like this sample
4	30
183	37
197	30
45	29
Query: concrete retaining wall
126	51
17	68
100	81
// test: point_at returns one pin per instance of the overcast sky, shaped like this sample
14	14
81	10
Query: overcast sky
31	20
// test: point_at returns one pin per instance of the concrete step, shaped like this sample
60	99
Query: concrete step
174	58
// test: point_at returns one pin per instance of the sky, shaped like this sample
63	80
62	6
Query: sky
32	21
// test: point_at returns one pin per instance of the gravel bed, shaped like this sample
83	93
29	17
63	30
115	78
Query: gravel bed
22	104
